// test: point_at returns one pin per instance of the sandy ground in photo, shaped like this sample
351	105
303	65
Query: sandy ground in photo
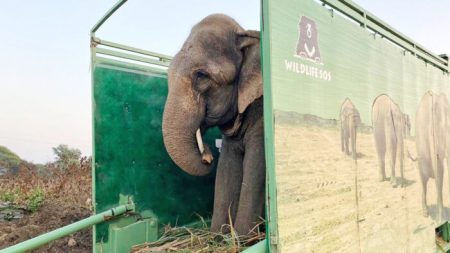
317	207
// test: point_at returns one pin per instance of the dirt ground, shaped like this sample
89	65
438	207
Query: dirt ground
322	209
65	196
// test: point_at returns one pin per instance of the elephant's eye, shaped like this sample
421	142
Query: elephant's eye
201	74
202	81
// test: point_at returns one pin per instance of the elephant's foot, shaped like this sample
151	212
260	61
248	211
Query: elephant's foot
220	228
382	179
425	212
394	182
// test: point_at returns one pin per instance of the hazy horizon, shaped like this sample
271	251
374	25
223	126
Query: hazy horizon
45	96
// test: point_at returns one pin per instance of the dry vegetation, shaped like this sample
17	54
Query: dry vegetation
60	197
200	240
49	201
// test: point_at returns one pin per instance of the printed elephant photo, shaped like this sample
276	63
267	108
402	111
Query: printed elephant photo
390	127
432	140
350	119
215	80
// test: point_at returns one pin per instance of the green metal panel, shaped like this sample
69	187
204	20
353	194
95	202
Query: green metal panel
129	155
320	200
271	187
123	238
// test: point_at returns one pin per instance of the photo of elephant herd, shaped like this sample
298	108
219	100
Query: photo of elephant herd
346	186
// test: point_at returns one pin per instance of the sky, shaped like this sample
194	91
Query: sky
45	89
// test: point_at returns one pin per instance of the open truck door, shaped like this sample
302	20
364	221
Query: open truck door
343	93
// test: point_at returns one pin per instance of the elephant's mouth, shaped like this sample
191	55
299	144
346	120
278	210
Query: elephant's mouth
212	119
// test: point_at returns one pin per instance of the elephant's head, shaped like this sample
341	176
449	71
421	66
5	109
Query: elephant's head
213	78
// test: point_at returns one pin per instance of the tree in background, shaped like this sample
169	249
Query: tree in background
66	157
8	159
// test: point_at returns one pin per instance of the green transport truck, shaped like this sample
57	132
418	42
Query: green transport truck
356	139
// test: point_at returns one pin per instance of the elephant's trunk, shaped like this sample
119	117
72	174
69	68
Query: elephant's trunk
182	138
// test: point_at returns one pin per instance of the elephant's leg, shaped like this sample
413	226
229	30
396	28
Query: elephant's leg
228	184
251	201
393	160
347	137
380	144
342	137
423	167
353	139
401	158
439	177
448	170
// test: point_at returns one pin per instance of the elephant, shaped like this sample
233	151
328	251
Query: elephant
432	144
215	80
350	119
390	127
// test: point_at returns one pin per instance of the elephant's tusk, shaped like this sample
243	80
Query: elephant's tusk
207	157
198	136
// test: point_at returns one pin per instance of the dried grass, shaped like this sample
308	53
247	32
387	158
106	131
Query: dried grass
69	186
201	240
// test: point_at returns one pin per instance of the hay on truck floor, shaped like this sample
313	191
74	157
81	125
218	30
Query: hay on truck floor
200	240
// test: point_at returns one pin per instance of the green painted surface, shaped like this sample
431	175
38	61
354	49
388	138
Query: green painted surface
271	188
324	201
123	238
129	154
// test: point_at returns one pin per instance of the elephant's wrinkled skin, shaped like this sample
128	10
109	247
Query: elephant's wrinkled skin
390	127
432	140
215	80
350	120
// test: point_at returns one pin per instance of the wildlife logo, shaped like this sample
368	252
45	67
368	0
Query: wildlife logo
307	44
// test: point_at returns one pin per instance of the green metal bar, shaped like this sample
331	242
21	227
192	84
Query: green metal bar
107	15
161	57
69	229
260	247
135	67
358	14
130	57
269	133
93	179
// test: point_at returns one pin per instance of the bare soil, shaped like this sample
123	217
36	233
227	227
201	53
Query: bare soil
66	201
327	203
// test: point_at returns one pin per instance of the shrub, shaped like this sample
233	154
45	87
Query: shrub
8	159
35	200
66	157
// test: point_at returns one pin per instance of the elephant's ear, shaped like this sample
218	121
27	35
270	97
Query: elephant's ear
250	79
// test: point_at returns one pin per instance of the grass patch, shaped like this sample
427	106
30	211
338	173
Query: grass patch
30	200
201	240
35	200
